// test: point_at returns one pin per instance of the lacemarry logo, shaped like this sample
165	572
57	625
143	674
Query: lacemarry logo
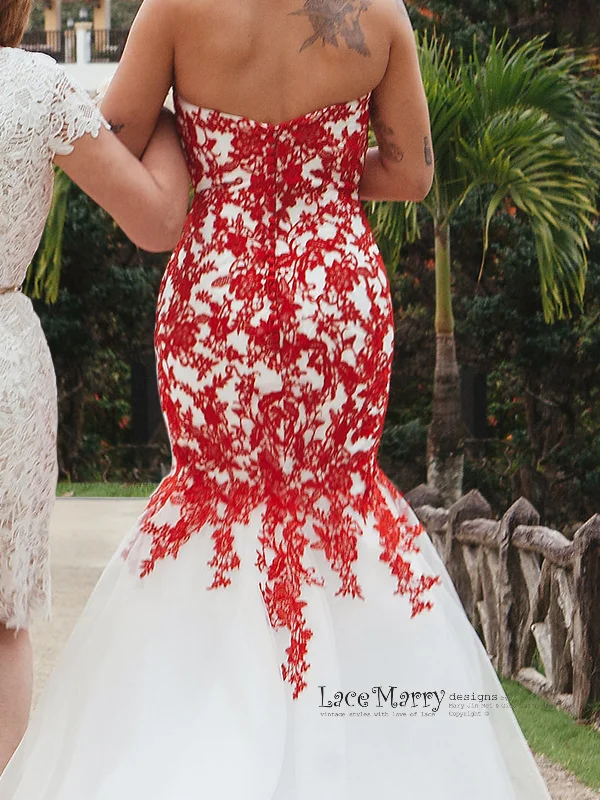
380	697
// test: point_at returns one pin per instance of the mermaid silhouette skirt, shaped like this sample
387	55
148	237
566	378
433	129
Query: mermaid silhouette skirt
277	626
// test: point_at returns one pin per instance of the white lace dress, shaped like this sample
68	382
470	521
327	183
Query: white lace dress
41	113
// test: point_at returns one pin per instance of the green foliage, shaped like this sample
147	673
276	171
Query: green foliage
36	18
555	734
393	229
517	120
404	441
543	380
462	25
43	276
402	452
101	322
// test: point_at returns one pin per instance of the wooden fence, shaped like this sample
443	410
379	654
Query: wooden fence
531	593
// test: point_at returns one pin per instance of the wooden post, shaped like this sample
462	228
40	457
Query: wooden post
102	15
52	16
471	506
424	495
586	624
52	24
525	586
510	600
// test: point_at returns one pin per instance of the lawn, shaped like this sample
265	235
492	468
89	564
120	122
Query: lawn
555	734
105	489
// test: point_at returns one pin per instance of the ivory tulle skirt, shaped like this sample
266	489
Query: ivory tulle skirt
170	691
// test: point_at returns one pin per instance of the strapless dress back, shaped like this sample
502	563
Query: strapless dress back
277	626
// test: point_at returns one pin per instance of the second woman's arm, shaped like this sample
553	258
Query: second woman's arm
144	76
401	166
148	199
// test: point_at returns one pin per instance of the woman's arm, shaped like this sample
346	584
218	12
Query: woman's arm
401	166
147	199
144	76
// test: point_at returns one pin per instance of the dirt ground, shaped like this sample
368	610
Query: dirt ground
85	533
561	784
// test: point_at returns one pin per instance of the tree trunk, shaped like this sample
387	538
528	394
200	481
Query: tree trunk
445	456
71	406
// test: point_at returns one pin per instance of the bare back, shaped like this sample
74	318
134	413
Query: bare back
277	59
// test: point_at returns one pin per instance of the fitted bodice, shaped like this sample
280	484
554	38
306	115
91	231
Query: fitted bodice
274	340
313	153
41	113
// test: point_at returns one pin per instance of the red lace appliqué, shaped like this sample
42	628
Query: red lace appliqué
274	342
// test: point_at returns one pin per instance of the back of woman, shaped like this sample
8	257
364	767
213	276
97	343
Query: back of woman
274	340
276	60
41	114
272	61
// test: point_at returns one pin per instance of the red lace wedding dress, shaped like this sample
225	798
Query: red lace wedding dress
275	567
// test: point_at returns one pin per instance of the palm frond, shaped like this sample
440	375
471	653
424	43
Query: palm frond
526	76
526	156
448	106
43	276
393	224
524	119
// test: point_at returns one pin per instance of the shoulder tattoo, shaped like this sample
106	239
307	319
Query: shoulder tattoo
333	20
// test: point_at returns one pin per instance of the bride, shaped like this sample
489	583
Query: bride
277	624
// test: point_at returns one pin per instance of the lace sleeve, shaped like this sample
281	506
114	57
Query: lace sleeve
73	114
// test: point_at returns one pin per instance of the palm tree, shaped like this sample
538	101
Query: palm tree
517	121
43	276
